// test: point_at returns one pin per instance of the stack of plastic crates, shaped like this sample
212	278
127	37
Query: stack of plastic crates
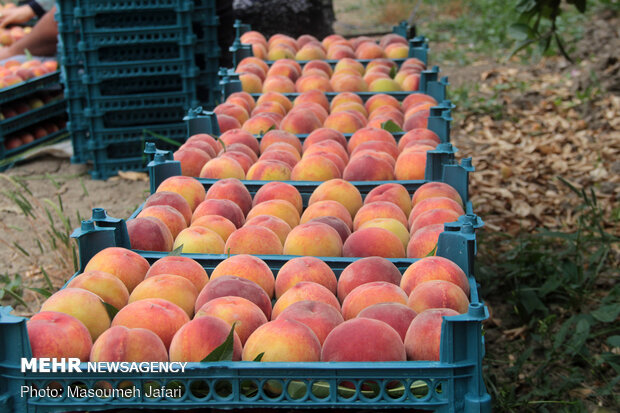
131	69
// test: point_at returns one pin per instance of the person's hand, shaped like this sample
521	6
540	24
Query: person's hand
16	15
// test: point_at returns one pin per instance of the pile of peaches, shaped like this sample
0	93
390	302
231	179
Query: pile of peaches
174	311
348	75
14	72
226	219
332	47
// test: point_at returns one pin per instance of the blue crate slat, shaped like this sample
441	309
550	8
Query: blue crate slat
29	87
32	117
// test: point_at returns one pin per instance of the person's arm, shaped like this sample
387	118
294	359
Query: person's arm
41	41
17	15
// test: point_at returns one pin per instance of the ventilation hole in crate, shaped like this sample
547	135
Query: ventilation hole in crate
346	389
151	389
223	388
320	389
129	389
273	388
438	388
77	389
199	389
248	389
395	389
419	389
103	389
51	390
297	389
175	389
370	389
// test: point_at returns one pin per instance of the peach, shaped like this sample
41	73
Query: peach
434	268
370	77
108	287
269	170
348	83
306	38
201	145
149	234
276	207
254	239
369	134
281	157
345	97
392	225
318	65
235	111
181	266
256	61
410	165
384	85
322	318
277	225
247	315
240	147
315	239
352	106
378	146
278	83
432	217
189	188
301	269
417	135
369	242
233	190
329	40
423	242
222	168
283	340
319	111
312	96
250	82
392	192
415	99
328	146
396	315
240	136
122	344
274	136
435	189
336	223
363	339
283	69
251	68
390	38
386	157
366	270
389	112
210	140
369	50
228	285
327	208
349	64
279	190
84	305
276	97
248	267
281	51
269	107
416	120
339	52
223	207
174	288
300	122
313	82
124	264
429	204
315	168
334	158
253	37
397	51
304	291
340	191
324	134
379	209
192	160
423	339
379	100
58	335
199	240
168	215
371	293
411	82
310	52
218	224
438	294
284	147
368	168
198	338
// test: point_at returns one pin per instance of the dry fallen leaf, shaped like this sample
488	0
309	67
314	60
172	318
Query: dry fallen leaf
133	176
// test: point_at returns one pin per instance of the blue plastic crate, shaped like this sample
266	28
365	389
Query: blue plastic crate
32	117
29	87
9	157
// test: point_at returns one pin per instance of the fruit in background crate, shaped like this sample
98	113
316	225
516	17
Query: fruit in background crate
248	267
277	225
125	264
254	239
247	315
314	239
279	190
12	143
220	225
149	234
433	268
198	338
168	215
241	157
174	288
438	294
128	344
369	242
87	307
58	335
173	200
434	216
423	338
363	339
280	208
423	242
108	287
189	188
199	240
435	189
283	340
192	160
226	123
368	294
304	291
301	269
228	285
269	170
396	315
181	266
